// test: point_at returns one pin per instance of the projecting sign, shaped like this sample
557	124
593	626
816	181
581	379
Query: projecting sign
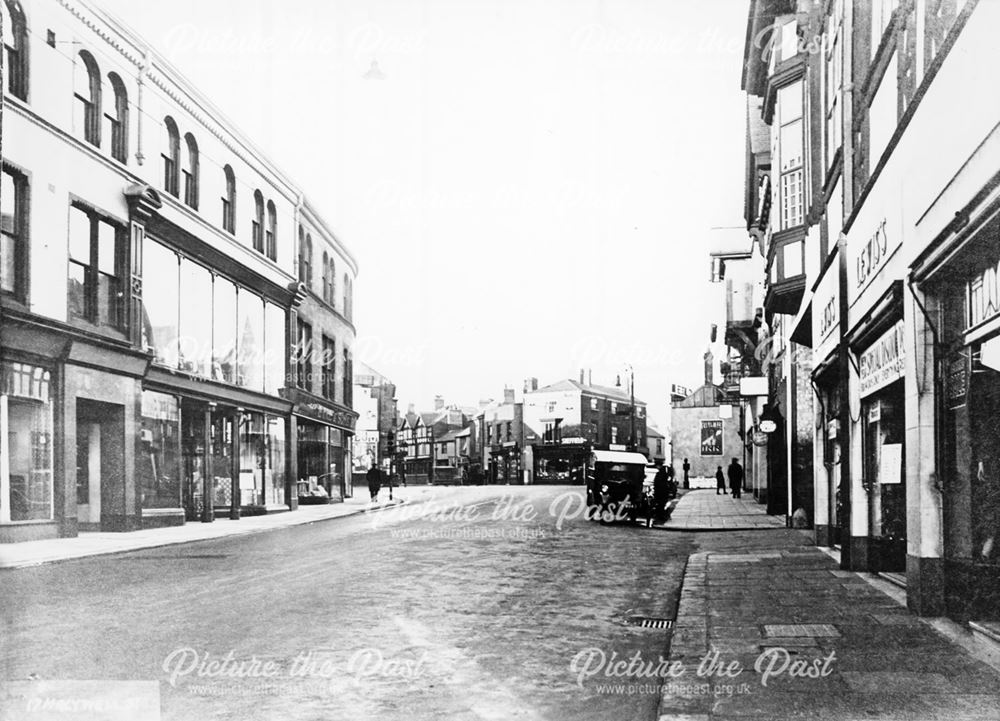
882	363
957	382
753	386
711	438
725	411
768	426
759	438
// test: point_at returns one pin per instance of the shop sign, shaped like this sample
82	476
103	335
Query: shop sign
875	412
984	295
882	363
759	438
826	312
574	440
711	438
957	382
508	444
332	416
159	406
768	426
617	447
871	255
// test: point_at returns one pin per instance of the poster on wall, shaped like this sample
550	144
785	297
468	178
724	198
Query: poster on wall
891	466
711	438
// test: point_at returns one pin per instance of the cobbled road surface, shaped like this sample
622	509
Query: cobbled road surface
485	610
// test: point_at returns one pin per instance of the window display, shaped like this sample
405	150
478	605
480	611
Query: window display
158	458
26	422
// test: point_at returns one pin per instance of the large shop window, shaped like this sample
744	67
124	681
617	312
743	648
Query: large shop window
159	460
96	259
25	443
220	330
262	460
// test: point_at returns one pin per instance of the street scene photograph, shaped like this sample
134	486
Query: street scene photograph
488	360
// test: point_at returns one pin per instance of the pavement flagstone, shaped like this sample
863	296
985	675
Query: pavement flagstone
809	641
703	510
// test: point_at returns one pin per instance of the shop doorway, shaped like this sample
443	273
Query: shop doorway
100	465
884	478
193	439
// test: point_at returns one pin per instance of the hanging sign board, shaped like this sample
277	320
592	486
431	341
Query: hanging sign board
768	426
759	438
957	382
882	362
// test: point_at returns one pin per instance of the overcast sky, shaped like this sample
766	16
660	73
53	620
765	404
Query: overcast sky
530	190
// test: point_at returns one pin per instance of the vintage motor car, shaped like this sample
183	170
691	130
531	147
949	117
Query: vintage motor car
615	486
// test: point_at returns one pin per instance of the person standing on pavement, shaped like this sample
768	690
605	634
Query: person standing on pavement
687	468
736	478
720	481
374	478
661	491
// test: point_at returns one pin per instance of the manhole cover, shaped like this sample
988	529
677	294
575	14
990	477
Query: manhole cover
649	622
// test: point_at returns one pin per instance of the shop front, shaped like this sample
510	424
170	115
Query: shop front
882	435
561	463
829	492
505	463
324	431
967	289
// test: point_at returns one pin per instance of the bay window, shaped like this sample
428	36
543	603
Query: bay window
790	156
834	80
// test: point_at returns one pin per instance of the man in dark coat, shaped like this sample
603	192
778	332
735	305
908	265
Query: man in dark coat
720	481
374	478
736	478
661	491
687	469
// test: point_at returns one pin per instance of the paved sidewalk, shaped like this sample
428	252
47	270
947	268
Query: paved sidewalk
33	553
829	644
703	510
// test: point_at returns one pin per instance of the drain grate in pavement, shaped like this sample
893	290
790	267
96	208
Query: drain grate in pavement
800	630
649	622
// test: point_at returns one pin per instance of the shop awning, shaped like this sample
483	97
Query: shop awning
619	457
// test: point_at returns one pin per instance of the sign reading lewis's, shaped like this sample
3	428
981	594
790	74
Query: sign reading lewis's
882	363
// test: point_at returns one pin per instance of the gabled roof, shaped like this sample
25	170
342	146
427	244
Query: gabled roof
616	394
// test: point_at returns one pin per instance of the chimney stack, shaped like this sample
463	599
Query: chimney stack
508	395
590	377
582	376
438	403
709	362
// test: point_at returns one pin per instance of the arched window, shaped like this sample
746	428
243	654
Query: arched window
333	281
229	201
116	118
258	221
347	297
88	96
191	172
307	261
172	157
272	231
15	46
326	276
302	249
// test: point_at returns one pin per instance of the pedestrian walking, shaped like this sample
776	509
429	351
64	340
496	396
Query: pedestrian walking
661	492
374	478
736	478
720	481
687	468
